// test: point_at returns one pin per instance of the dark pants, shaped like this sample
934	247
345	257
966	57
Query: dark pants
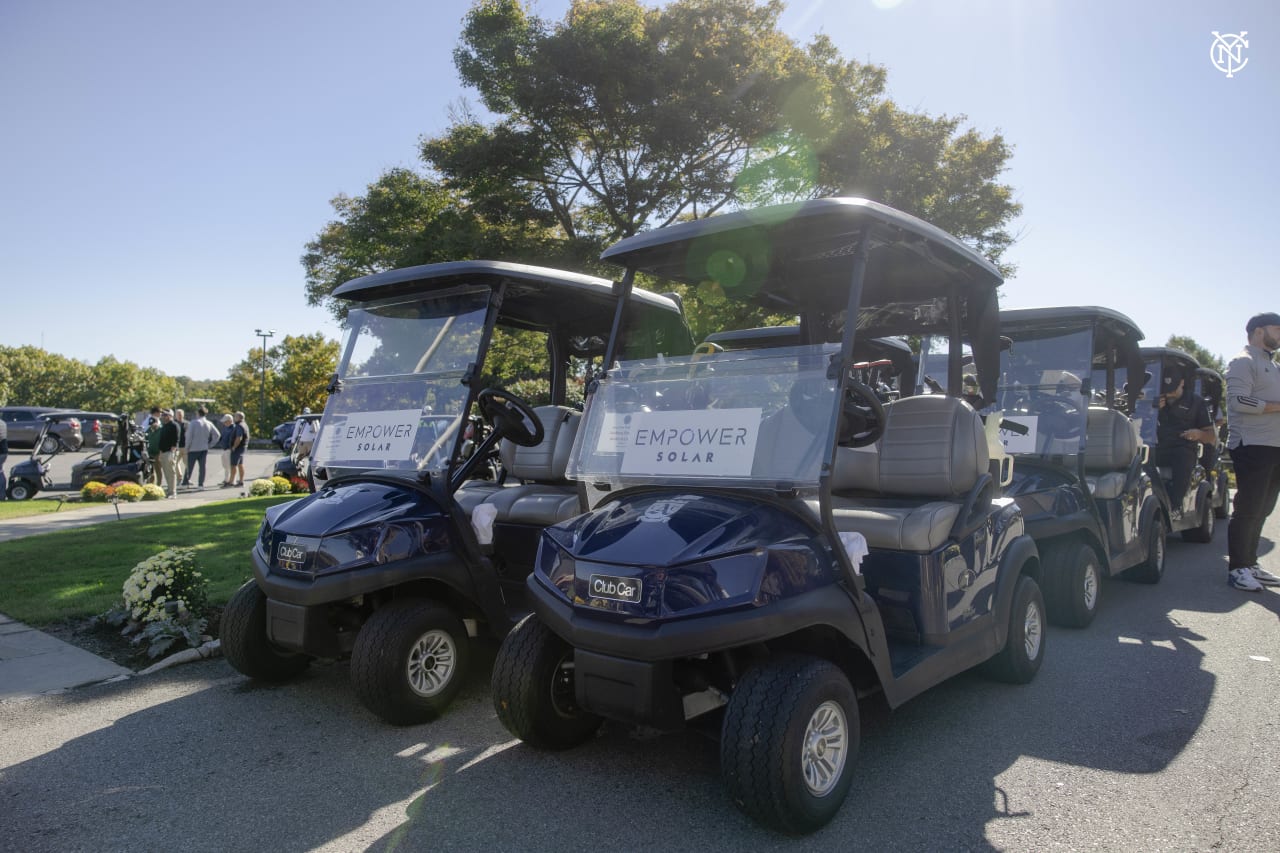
1181	458
194	458
1257	486
4	486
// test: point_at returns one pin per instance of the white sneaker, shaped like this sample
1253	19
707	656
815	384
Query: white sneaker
1243	579
1264	577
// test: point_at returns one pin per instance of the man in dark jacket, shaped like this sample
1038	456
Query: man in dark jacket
168	444
4	457
1182	423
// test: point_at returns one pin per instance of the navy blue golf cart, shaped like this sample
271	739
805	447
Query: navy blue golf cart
383	562
767	540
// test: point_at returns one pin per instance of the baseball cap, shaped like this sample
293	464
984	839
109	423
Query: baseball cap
168	412
1267	318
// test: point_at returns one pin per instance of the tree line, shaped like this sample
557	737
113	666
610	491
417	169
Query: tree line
297	371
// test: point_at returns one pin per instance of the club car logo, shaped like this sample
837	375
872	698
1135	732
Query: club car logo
616	589
291	556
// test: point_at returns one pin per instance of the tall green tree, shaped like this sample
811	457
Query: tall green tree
619	118
297	371
1207	359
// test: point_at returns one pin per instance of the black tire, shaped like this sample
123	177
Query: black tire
1151	569
244	640
533	689
1223	509
1023	652
1202	532
409	661
789	741
22	490
1073	583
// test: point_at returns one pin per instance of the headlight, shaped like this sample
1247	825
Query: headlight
347	549
264	537
383	543
556	566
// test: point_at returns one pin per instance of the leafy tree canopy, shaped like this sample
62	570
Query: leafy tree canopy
297	371
621	117
1202	355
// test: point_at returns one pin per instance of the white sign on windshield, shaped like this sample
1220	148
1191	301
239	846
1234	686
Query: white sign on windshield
707	443
372	435
1015	443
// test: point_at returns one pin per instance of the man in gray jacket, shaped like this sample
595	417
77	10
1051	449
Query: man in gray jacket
201	435
1253	439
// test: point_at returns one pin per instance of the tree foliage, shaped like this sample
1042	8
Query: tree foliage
621	118
296	373
1207	359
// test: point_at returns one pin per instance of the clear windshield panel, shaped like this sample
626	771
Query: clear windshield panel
749	418
402	400
434	333
1044	382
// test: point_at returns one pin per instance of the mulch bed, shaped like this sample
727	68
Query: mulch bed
106	642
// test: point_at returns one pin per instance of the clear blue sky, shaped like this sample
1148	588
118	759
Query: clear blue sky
162	164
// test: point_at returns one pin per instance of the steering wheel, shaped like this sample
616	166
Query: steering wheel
861	417
512	418
1064	416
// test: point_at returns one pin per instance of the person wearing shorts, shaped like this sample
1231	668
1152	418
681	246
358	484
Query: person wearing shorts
239	443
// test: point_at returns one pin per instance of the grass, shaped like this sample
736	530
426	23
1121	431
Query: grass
73	574
18	509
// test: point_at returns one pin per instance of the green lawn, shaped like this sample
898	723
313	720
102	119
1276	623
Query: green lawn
18	509
72	574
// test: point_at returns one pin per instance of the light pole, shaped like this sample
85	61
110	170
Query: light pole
262	404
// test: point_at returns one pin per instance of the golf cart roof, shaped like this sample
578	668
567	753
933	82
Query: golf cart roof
798	255
534	296
1150	354
1114	322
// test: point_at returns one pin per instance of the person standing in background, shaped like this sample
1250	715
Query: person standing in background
168	444
1253	440
180	456
153	448
239	444
224	449
4	457
201	435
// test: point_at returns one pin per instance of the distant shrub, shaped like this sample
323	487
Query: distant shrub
152	492
131	492
258	488
94	492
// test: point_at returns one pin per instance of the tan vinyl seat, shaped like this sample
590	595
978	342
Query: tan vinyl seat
1111	444
906	492
543	496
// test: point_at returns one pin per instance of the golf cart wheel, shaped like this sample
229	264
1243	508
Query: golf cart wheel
50	444
1073	579
21	490
788	742
244	639
409	661
1151	569
1023	652
1223	510
533	689
1202	532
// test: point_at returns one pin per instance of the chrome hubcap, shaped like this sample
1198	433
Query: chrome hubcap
432	661
1090	587
826	741
1031	631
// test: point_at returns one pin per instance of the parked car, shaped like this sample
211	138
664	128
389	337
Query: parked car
25	429
281	434
31	476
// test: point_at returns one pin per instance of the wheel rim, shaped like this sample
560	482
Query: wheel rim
1157	548
1032	627
20	492
49	445
432	662
1090	586
564	699
826	740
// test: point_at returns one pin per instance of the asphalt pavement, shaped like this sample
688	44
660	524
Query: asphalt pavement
34	663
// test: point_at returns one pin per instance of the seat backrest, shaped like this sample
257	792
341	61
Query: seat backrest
546	461
932	447
1110	442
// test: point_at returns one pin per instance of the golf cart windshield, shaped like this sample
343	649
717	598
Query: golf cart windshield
1042	386
402	399
750	418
